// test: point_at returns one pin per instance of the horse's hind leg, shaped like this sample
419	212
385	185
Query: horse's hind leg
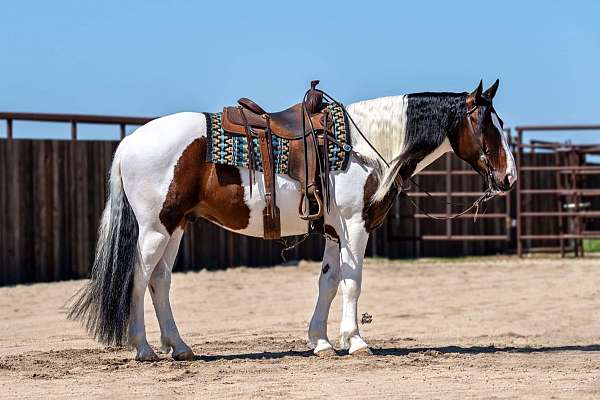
160	284
152	243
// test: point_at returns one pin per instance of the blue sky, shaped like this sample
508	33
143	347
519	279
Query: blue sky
149	58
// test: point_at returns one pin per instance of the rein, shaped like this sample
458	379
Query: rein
485	196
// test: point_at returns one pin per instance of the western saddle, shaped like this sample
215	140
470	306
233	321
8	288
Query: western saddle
305	125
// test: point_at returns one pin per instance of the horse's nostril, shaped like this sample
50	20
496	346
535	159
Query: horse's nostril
507	181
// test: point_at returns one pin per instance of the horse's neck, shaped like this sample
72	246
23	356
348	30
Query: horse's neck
406	138
383	122
387	126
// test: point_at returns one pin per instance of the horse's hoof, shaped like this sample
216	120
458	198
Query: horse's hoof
363	351
147	357
165	349
326	353
187	355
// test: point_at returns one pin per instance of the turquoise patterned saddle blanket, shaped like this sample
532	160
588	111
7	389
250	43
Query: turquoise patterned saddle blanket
232	148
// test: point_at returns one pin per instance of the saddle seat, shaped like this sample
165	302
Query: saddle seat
251	120
286	124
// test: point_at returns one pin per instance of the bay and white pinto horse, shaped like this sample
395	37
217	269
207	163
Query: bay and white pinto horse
159	178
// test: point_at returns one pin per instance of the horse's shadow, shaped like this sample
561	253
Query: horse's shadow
403	351
473	350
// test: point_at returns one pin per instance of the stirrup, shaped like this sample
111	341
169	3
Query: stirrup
304	207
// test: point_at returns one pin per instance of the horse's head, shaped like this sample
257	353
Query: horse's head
481	141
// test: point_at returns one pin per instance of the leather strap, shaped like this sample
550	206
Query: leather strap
271	220
249	132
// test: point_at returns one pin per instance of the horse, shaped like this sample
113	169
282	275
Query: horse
159	178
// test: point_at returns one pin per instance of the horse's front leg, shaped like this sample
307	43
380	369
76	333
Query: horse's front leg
351	255
328	284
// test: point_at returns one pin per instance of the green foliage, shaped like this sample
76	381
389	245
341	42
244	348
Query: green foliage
591	245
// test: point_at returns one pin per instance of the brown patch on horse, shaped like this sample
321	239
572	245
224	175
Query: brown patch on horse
475	133
465	145
211	191
374	214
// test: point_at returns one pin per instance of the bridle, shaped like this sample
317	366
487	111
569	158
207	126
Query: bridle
482	153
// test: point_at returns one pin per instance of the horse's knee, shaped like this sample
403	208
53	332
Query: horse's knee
351	288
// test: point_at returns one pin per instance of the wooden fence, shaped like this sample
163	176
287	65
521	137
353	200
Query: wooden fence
52	194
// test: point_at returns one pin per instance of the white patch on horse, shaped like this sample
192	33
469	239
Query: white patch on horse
383	122
288	198
511	167
153	150
442	149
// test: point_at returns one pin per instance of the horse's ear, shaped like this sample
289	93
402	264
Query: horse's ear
476	94
491	92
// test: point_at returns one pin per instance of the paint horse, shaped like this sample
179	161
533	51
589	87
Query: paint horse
160	176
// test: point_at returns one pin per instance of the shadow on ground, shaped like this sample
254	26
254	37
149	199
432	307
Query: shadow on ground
403	351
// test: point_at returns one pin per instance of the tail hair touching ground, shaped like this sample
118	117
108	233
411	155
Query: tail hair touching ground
103	305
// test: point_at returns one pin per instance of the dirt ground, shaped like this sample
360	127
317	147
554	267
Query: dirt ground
477	328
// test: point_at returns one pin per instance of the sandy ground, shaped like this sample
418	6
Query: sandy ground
481	328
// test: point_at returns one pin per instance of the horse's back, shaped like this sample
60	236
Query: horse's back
172	131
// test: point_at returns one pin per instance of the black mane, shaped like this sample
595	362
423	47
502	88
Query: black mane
430	117
438	94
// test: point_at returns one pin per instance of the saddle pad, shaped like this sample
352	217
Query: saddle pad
232	149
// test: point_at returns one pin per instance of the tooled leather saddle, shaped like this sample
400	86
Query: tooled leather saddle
306	128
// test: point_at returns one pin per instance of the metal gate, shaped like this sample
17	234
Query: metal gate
570	184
